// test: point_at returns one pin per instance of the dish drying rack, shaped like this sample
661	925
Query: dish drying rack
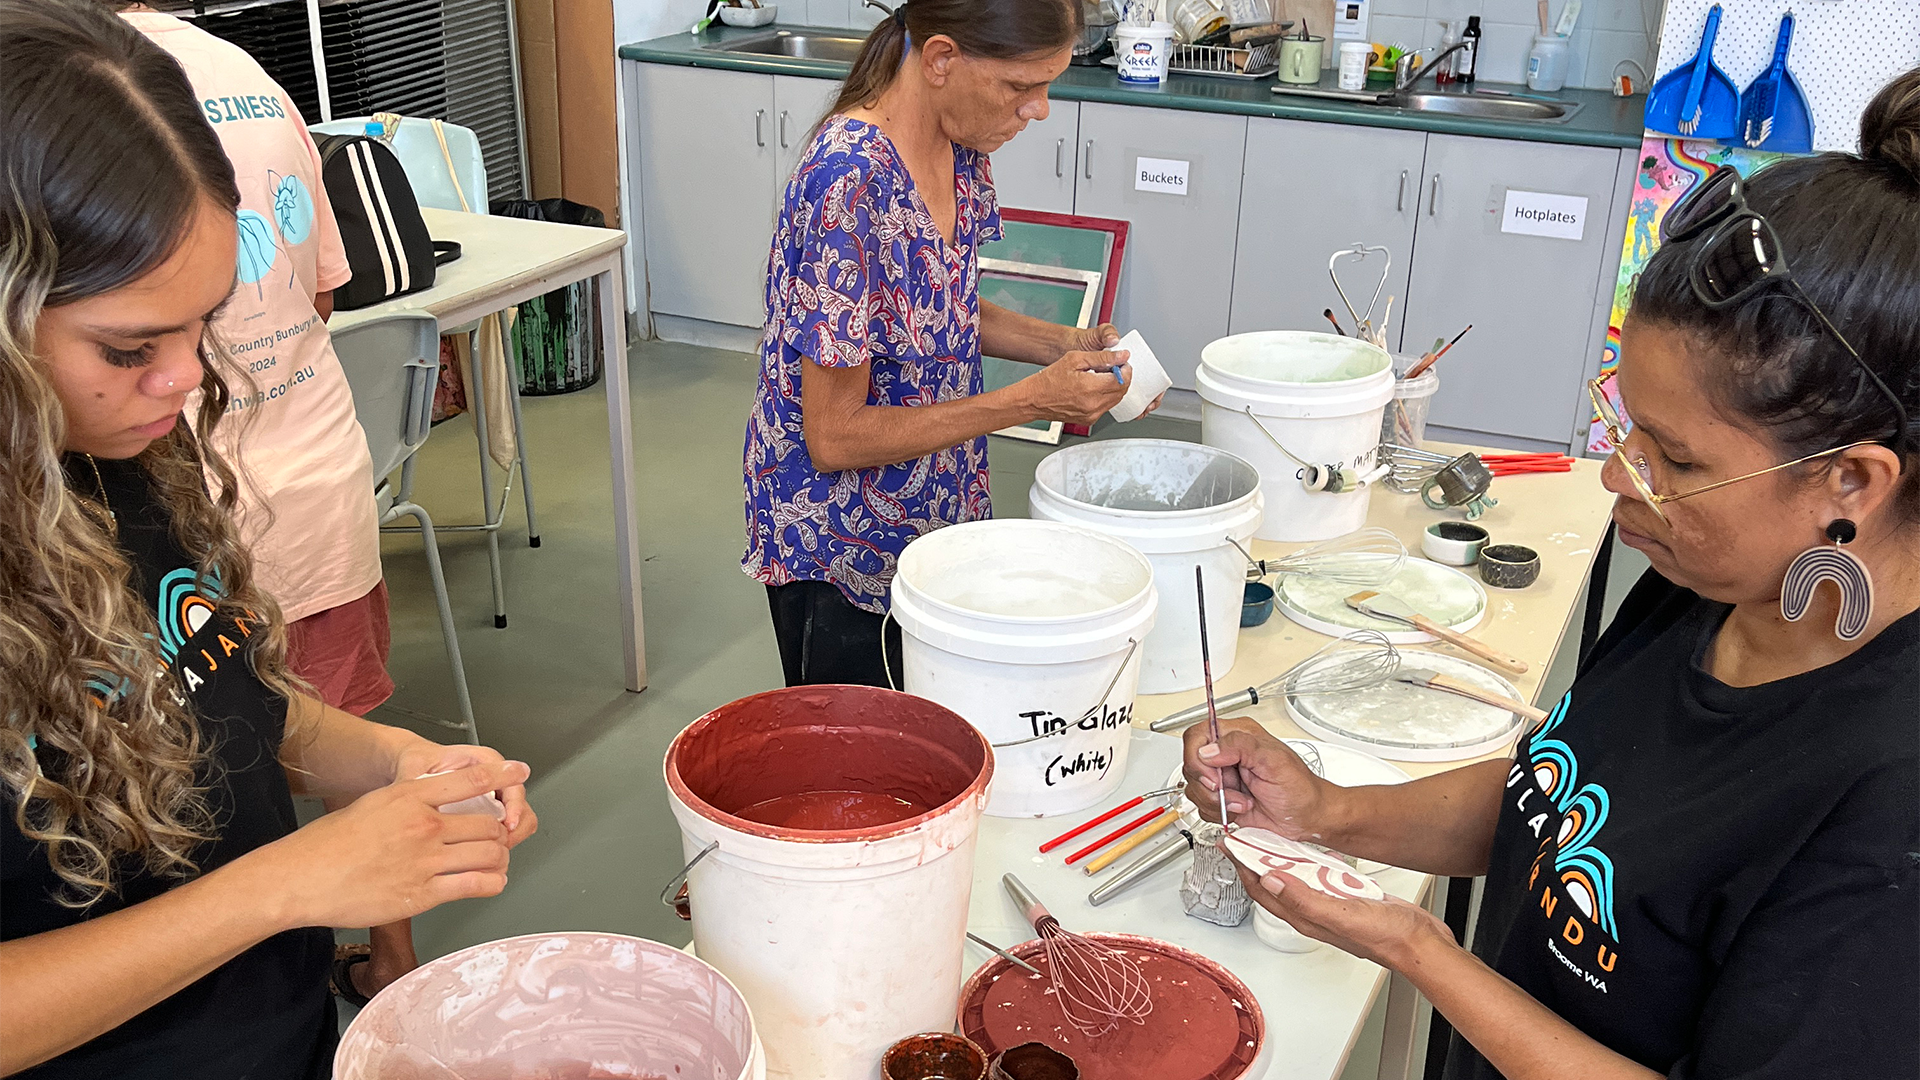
1226	62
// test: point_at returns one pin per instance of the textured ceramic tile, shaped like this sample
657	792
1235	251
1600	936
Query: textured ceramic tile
1607	49
1509	11
1397	8
1635	15
1503	52
1408	32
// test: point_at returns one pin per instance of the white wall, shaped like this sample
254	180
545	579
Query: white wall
1608	31
638	20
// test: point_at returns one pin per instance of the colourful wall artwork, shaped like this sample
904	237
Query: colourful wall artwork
1668	169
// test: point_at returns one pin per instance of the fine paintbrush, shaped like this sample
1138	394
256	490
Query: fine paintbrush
1206	673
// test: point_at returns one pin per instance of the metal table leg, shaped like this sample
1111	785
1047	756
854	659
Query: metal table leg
626	521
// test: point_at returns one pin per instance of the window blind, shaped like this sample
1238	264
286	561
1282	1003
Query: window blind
452	59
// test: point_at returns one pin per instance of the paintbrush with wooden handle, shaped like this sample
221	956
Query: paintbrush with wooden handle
1393	609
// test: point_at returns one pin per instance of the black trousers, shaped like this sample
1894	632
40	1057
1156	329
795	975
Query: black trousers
825	639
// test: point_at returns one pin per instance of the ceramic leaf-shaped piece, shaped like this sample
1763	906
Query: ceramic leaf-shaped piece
1266	852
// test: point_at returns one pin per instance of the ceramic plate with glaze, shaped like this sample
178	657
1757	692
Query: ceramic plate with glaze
1441	593
1402	722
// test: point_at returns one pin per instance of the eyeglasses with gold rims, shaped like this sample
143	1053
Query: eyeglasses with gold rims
1639	473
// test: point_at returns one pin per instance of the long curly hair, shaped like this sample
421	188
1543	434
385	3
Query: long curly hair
104	161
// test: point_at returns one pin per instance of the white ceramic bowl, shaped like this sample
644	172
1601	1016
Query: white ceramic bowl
1462	550
747	16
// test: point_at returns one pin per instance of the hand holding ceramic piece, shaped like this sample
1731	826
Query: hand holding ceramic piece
488	803
1265	852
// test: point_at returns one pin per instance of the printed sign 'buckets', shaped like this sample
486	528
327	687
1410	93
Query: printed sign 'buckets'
1032	631
1182	505
831	833
1319	399
567	1004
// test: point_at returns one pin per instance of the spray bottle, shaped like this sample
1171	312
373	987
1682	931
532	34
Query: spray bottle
1443	71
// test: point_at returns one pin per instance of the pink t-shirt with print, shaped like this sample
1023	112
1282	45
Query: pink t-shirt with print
307	508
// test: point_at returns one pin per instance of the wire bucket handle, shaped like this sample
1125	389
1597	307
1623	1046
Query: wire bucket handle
675	894
1133	644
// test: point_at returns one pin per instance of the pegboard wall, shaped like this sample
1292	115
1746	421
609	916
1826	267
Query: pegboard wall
1843	51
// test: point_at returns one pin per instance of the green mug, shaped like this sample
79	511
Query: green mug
1300	59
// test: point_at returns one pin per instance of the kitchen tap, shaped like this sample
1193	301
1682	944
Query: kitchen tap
1402	81
877	4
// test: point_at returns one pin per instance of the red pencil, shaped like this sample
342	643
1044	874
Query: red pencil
1101	820
1114	835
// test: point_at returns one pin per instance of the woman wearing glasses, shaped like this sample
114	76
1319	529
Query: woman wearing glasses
1702	864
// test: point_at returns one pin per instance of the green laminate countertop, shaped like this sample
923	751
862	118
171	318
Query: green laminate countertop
1604	120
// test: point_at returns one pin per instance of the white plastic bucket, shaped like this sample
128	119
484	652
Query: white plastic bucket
1321	397
1031	630
1182	505
560	1004
841	941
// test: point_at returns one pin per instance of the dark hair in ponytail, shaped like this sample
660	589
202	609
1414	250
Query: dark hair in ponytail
996	29
1849	226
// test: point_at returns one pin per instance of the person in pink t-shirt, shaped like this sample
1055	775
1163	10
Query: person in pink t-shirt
307	509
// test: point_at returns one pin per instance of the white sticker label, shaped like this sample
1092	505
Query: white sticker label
1536	213
1161	174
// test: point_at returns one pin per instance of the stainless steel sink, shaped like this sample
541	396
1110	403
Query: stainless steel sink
1486	106
837	48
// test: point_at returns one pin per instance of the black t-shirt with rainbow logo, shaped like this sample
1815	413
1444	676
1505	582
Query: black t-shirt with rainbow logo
265	1014
1717	881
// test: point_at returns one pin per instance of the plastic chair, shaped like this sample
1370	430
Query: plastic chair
416	144
392	364
418	149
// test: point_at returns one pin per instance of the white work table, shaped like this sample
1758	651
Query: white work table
1314	1003
505	261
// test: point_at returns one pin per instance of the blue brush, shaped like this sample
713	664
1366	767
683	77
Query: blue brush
1773	112
1697	100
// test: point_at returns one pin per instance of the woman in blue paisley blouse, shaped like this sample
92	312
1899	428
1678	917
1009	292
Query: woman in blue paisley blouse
869	428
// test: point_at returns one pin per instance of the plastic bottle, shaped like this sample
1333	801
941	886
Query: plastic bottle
1443	72
1467	60
1547	64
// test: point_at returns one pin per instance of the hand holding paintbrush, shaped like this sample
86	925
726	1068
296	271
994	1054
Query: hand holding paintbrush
1229	777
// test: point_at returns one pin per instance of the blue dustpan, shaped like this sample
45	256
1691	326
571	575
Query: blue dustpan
1696	100
1773	111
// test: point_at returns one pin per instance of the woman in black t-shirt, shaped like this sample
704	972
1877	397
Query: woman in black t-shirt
1706	862
160	913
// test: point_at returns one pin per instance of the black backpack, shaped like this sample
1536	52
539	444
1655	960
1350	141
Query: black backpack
387	244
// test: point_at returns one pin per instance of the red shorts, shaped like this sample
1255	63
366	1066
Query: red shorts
342	653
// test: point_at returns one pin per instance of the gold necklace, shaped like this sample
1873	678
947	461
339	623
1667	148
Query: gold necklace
101	483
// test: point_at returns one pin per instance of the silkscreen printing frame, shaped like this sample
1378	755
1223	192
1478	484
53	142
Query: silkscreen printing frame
1057	284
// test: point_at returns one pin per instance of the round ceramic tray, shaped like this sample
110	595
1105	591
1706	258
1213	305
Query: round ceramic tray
1342	765
1403	722
1205	1024
1441	593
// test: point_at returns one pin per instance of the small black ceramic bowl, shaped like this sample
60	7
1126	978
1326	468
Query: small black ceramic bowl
1509	566
1257	604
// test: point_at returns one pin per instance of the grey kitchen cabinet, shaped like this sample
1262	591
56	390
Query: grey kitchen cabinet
1530	298
708	155
1035	169
1177	286
1313	189
798	105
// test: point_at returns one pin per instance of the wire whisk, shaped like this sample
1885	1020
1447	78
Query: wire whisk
1099	986
1410	470
1369	556
1361	659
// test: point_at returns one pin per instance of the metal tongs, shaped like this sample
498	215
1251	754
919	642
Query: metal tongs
1363	324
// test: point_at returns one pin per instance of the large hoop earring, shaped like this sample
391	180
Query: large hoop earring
1840	566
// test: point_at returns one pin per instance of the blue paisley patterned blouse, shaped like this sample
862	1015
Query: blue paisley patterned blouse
859	274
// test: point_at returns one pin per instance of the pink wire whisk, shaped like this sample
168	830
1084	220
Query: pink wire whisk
1099	987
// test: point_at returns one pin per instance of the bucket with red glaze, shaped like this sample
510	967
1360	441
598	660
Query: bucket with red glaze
837	825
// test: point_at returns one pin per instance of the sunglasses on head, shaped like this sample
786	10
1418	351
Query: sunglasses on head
1739	255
